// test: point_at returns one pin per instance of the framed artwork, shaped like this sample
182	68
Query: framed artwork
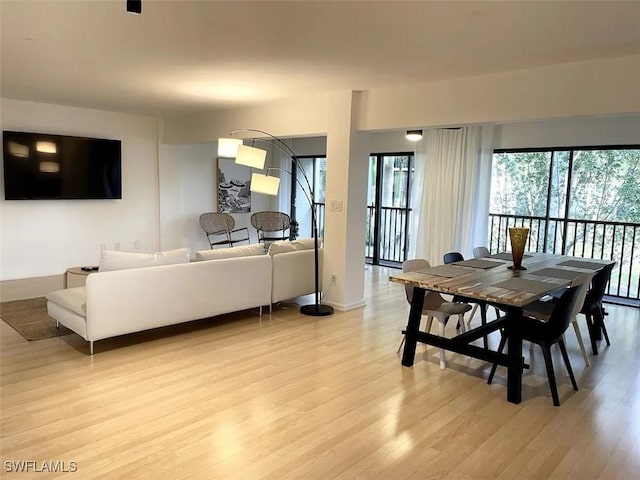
234	182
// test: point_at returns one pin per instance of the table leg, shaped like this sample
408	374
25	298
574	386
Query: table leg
413	326
483	316
514	373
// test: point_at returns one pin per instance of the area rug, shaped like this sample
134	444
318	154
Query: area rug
30	319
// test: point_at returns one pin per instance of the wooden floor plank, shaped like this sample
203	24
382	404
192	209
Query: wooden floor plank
290	396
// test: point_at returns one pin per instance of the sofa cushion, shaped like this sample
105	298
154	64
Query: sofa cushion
285	246
74	299
281	246
305	243
115	260
233	252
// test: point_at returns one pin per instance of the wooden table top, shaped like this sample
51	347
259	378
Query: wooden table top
498	284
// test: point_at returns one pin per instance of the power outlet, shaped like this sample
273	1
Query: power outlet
333	278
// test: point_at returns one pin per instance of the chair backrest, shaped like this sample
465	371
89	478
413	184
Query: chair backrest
411	266
213	222
481	252
598	286
452	257
562	313
270	221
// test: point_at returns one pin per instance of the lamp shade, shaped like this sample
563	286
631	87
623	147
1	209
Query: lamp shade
251	156
414	135
228	147
264	184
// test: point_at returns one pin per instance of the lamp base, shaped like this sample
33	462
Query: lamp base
513	267
318	310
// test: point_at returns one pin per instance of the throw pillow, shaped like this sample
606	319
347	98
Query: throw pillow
241	251
116	260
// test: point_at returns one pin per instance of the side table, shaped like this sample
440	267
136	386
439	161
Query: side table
75	271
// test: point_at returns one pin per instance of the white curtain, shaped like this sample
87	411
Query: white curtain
450	197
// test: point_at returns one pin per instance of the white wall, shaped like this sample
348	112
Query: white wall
598	87
188	189
571	132
390	142
300	116
44	237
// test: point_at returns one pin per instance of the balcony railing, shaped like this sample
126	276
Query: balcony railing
617	241
392	239
392	235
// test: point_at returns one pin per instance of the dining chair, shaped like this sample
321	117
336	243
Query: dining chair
543	309
481	252
271	226
220	229
592	306
545	334
452	257
434	305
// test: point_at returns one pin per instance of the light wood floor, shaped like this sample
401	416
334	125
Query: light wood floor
294	397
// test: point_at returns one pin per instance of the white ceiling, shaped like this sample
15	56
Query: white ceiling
184	56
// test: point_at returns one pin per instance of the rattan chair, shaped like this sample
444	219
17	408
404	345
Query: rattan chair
220	229
271	226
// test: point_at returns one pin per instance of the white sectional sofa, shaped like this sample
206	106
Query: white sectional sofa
292	273
132	299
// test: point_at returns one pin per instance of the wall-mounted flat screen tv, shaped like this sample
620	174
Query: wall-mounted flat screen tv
42	166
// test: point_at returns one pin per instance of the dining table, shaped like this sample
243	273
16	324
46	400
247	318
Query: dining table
494	281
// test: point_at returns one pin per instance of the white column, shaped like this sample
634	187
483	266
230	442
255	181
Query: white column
346	197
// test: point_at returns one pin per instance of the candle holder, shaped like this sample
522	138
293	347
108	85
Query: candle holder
518	238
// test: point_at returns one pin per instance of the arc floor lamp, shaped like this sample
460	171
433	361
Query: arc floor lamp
269	185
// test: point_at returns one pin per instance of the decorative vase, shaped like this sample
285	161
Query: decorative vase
518	238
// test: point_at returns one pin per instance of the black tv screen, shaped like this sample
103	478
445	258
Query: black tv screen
41	166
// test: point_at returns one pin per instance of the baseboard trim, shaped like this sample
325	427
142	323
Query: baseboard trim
32	287
345	307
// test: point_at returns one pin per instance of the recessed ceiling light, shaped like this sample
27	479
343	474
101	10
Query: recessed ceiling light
413	135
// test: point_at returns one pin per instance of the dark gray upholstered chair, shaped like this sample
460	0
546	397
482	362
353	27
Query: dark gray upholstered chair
593	309
546	334
542	310
452	257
